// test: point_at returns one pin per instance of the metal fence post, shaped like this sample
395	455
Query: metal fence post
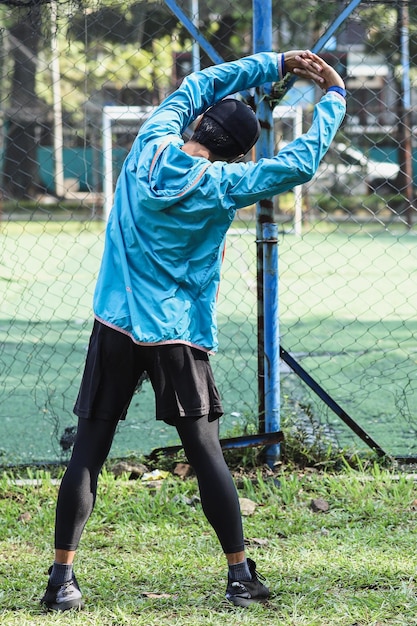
271	336
268	341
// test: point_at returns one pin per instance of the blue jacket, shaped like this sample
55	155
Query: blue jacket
160	270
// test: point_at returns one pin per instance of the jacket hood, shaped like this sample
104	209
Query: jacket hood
169	174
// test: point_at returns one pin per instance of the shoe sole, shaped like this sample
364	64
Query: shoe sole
244	602
63	606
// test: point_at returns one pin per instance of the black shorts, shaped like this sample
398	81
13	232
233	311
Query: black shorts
181	377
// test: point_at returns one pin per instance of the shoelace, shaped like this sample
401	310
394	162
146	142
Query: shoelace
256	574
64	587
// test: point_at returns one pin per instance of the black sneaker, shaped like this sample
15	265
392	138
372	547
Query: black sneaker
63	597
246	592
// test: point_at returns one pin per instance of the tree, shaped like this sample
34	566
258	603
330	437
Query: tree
25	110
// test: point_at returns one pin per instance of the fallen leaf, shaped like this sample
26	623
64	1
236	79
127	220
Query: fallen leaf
247	506
255	541
156	596
155	475
134	470
318	505
188	501
183	470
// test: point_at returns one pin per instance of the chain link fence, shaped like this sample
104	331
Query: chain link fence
75	75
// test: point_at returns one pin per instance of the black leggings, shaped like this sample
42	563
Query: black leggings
200	439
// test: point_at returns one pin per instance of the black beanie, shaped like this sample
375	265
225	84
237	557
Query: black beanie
237	120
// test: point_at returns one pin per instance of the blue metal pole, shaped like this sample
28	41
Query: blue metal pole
268	335
268	278
271	336
353	4
344	14
405	57
194	32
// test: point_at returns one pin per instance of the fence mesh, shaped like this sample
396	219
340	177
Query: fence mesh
347	240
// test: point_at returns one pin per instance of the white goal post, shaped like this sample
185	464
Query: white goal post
294	113
113	115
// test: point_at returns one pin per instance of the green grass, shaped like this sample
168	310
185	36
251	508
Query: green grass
354	565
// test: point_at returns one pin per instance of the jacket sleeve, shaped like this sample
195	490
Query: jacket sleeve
201	89
243	184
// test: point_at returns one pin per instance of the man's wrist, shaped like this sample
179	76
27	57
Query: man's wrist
340	90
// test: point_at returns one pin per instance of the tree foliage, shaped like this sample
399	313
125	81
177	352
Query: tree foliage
133	43
383	29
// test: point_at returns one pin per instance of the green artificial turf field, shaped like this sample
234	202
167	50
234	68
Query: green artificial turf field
347	314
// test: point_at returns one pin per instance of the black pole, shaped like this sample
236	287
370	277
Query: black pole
318	390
